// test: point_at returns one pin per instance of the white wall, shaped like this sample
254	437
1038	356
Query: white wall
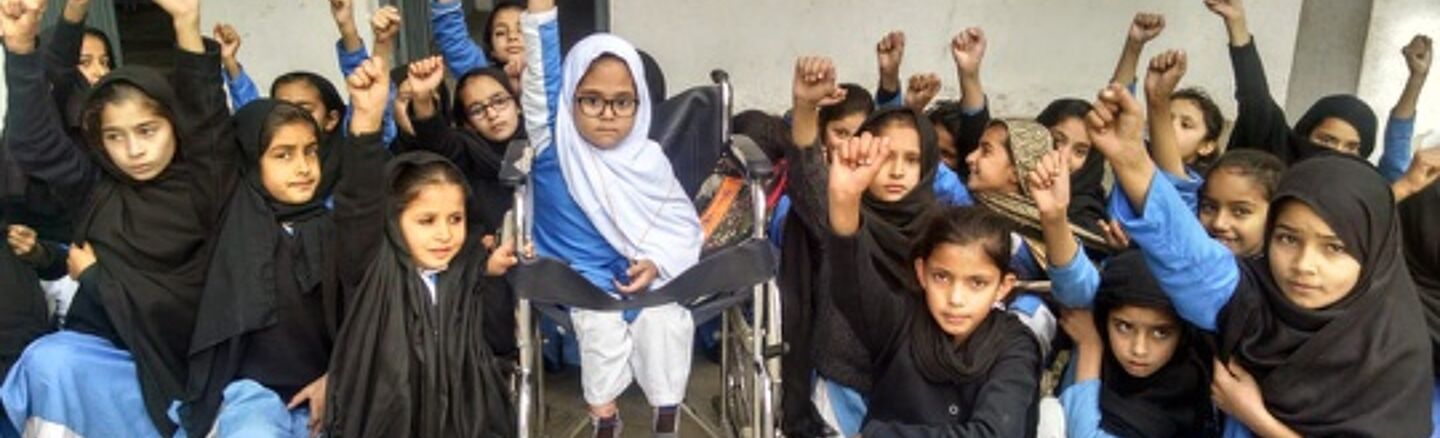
1039	50
1392	24
280	36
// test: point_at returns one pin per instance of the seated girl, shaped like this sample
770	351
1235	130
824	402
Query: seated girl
947	363
410	357
607	202
1318	336
1235	200
143	243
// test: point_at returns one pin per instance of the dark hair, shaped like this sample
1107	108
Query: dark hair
905	119
857	101
112	93
285	114
769	132
1062	109
104	40
329	96
1264	168
1214	120
964	226
490	25
412	179
945	111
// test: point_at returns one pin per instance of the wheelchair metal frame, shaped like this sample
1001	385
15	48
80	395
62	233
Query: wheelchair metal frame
751	344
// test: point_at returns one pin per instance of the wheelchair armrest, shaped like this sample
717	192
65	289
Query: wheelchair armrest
756	163
516	166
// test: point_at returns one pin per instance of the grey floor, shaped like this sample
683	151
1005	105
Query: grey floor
567	407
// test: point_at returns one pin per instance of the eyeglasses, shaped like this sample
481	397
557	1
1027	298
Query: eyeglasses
594	106
498	102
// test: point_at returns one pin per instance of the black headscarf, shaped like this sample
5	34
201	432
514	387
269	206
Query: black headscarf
1420	224
1360	366
1344	107
1087	193
1175	400
891	227
332	140
460	115
941	360
153	240
240	295
406	367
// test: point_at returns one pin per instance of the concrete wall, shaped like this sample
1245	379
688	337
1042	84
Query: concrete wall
281	36
1039	50
1328	52
1382	77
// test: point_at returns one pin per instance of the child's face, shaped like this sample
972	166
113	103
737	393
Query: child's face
1142	338
948	154
140	141
506	43
1308	260
1233	209
961	285
1071	133
492	111
605	103
1336	134
839	131
305	96
434	225
901	171
1189	123
94	59
290	166
990	167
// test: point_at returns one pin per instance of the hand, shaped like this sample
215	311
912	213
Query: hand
314	394
1236	392
182	11
1116	125
386	25
515	67
502	258
1164	75
82	256
815	82
369	94
1050	185
1418	55
75	10
1230	10
922	89
426	75
968	49
343	11
1114	234
22	240
1424	169
20	24
642	273
1145	27
854	166
1080	325
889	52
229	41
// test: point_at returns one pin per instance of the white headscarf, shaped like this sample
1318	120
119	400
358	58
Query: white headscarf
628	192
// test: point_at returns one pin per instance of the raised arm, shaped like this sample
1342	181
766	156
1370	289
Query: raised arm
242	88
1259	121
34	132
1074	278
1143	28
343	12
1401	126
452	37
359	194
877	314
889	54
62	51
541	82
814	86
920	90
202	119
1163	76
968	50
1196	272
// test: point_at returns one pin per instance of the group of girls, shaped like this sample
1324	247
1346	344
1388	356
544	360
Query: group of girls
298	265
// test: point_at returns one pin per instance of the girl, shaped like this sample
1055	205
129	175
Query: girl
266	324
1422	254
949	366
1065	118
1177	139
1140	370
409	360
503	46
144	242
608	203
1236	199
1325	321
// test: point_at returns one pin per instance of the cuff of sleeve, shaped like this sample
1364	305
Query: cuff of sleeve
439	9
346	55
539	18
985	103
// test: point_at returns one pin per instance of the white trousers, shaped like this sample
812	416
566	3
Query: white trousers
654	350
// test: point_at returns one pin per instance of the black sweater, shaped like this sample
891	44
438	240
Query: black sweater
1004	403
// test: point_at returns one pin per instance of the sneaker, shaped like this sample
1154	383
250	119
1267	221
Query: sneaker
667	421
606	427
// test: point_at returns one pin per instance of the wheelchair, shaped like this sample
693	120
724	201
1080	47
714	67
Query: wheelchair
735	283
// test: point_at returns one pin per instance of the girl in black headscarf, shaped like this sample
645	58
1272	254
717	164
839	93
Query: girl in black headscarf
1418	216
1141	371
410	359
267	319
1322	327
143	243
